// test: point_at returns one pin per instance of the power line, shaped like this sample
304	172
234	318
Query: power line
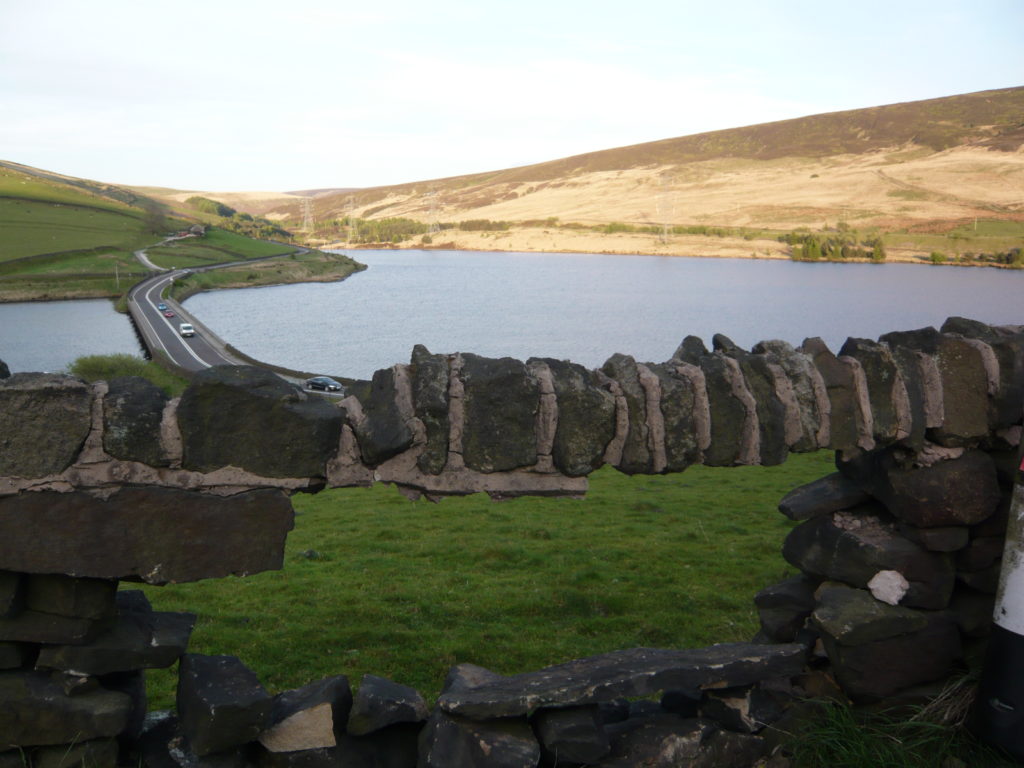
307	215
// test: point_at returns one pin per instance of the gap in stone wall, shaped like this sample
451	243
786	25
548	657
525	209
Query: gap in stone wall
665	532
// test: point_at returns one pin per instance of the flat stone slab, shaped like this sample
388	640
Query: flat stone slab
633	672
158	535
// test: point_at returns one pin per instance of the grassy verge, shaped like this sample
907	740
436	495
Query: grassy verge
841	737
313	266
66	286
375	583
980	242
106	367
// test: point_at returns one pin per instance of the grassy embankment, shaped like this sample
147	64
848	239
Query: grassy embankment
981	243
215	247
311	266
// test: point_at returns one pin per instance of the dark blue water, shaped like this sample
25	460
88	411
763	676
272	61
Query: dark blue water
587	307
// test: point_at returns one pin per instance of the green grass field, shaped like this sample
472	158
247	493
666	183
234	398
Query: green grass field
61	241
216	246
17	184
33	227
984	237
375	583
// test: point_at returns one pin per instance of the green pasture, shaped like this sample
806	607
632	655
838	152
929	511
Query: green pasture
63	286
175	256
241	246
21	185
58	240
982	237
32	227
375	583
215	247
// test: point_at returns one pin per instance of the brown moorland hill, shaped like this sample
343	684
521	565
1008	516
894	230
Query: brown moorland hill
939	160
914	173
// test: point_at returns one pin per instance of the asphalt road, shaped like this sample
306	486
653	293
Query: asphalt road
161	333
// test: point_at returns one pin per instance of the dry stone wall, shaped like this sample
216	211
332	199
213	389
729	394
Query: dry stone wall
898	551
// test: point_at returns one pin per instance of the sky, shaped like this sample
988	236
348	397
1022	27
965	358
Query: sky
226	95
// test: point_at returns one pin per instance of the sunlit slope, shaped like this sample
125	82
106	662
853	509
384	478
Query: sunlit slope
940	160
62	237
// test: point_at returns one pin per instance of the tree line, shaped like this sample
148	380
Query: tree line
834	246
239	222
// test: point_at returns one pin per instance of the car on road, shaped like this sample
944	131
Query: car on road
324	383
186	329
169	313
161	306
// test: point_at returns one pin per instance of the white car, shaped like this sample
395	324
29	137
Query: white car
186	329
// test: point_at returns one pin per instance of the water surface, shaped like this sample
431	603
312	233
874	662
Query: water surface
50	335
585	307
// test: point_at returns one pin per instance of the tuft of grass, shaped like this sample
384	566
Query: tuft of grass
375	583
843	737
106	367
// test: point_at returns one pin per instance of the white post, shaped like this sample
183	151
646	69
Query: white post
999	710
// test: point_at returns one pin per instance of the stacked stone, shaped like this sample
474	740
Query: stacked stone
72	655
713	707
899	550
73	646
460	423
900	556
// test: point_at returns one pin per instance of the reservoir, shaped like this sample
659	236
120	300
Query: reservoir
586	307
581	307
48	335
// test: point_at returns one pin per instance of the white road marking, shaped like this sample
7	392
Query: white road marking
158	287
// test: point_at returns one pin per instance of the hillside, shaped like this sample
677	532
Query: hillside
936	180
928	166
64	237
